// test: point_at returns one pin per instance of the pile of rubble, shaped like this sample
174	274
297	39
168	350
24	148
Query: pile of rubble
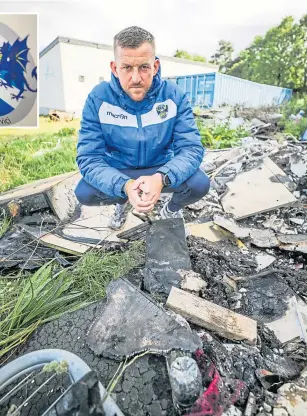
218	311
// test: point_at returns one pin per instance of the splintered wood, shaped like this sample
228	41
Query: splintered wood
208	315
33	188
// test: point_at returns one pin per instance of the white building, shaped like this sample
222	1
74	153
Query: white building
70	68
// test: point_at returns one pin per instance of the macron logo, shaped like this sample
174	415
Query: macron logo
122	116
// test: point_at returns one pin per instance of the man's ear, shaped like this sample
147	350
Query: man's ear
114	68
156	66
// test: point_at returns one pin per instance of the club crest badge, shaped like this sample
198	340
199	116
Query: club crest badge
162	110
18	77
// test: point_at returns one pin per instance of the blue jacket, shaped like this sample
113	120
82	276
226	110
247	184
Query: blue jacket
119	133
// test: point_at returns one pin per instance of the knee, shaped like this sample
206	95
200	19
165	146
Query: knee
85	194
199	183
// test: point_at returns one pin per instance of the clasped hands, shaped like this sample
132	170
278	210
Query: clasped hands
144	192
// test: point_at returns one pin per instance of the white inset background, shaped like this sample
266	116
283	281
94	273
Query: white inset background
23	25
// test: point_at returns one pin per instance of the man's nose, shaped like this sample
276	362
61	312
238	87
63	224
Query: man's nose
136	76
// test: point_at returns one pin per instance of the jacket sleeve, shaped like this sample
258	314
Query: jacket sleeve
91	150
188	149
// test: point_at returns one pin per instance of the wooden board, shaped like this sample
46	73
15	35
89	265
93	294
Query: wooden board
207	230
211	316
258	190
62	198
33	188
54	241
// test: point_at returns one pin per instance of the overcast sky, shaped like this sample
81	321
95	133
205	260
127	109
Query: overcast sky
193	25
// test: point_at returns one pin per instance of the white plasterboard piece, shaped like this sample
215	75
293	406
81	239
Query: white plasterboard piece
254	191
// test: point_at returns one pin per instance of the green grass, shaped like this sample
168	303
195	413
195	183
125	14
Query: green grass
26	302
45	127
41	298
94	272
26	159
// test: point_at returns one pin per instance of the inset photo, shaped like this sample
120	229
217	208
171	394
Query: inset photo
18	70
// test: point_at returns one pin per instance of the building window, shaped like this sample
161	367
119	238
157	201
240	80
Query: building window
101	79
81	78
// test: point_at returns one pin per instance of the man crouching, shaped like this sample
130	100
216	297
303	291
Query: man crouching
138	137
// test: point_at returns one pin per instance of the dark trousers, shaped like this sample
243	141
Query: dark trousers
192	190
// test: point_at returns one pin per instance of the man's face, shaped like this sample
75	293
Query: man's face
135	69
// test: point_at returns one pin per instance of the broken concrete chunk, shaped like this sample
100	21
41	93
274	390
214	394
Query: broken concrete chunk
293	399
239	232
267	407
298	221
264	261
280	412
298	164
131	323
293	242
191	281
250	409
255	122
229	283
209	315
263	238
297	194
292	239
232	411
274	223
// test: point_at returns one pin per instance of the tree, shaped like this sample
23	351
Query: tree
222	56
277	58
180	53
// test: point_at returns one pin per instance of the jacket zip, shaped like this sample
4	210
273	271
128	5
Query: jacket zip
142	156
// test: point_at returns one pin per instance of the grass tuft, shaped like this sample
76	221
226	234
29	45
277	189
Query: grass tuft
27	302
94	271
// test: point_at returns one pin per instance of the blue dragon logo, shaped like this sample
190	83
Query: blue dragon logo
13	62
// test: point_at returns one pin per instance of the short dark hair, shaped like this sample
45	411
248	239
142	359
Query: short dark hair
133	37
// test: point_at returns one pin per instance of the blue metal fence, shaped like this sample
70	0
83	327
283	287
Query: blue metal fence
214	89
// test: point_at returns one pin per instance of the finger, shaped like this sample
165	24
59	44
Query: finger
144	209
136	186
149	197
136	199
144	204
139	181
145	188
